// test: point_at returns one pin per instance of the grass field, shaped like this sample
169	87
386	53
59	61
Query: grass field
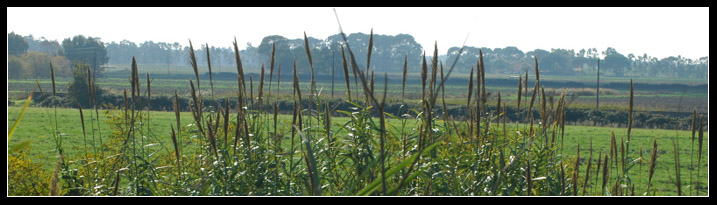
35	127
668	100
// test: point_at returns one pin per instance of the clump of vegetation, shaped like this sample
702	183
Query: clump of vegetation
80	89
25	177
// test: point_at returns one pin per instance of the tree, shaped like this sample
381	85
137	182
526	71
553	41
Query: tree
77	90
15	68
52	48
37	64
617	63
468	58
61	66
86	50
16	44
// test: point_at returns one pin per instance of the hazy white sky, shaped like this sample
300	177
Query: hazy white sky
659	32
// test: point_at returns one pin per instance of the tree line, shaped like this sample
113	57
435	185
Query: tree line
29	57
388	55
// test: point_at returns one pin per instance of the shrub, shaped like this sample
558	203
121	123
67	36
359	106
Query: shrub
78	91
25	177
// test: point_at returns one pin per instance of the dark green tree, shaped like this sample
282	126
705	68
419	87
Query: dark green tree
615	62
86	50
16	44
78	89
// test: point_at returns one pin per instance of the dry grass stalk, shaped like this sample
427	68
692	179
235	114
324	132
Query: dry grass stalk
543	113
38	86
261	87
370	49
529	179
497	106
52	75
692	145
639	176
562	179
196	109
355	71
278	80
677	168
576	171
587	169
605	172
176	150
531	133
313	81
699	152
613	148
54	184
525	86
346	74
176	112
209	64
271	65
597	171
483	94
226	121
470	88
216	122
434	72
694	124
443	98
537	74
297	89
84	134
622	155
653	162
629	119
251	92
193	62
327	124
149	95
424	75
240	68
520	94
371	82
212	137
532	101
276	117
126	116
562	121
383	132
405	76
505	116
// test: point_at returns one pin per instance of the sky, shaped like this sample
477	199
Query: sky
659	32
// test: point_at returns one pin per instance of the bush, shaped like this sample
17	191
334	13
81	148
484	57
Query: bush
78	90
25	177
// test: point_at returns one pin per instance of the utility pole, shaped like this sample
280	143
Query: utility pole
597	92
168	52
97	64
